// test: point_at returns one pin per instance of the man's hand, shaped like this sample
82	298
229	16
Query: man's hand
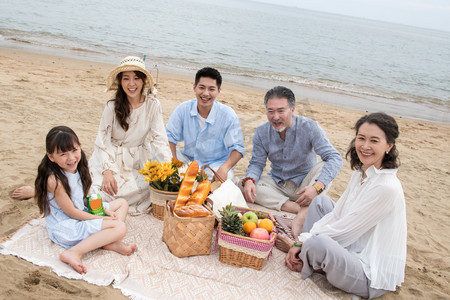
109	184
249	191
308	193
222	172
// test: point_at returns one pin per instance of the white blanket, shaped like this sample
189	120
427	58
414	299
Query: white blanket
154	273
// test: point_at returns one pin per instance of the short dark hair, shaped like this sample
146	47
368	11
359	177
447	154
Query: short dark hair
390	129
210	73
280	92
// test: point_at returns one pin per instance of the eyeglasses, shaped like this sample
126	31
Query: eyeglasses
280	111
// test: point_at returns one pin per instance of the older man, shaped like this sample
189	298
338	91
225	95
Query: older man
291	143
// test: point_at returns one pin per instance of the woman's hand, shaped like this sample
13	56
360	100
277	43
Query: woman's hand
109	184
292	261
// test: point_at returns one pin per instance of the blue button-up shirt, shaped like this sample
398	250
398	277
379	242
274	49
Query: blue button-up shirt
214	143
294	157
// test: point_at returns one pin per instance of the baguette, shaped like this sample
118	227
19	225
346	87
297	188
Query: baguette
200	193
192	211
186	185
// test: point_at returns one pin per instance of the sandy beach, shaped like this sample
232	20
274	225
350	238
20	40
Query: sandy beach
40	91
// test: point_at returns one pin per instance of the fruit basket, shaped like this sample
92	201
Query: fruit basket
243	251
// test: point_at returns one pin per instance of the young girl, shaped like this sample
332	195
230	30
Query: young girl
62	184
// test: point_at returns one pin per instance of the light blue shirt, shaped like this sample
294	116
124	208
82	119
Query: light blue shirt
212	145
294	157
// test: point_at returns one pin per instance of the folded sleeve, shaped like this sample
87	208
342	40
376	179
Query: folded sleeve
103	146
259	158
326	151
234	139
157	136
359	219
174	128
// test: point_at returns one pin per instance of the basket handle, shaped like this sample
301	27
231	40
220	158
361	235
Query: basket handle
214	172
209	203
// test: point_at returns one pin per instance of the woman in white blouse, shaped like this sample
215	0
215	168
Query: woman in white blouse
359	243
131	132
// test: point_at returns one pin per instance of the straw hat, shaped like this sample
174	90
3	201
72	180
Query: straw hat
129	63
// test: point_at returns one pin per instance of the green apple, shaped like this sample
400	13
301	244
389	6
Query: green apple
250	217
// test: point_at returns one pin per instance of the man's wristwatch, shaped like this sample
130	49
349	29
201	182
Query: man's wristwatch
318	188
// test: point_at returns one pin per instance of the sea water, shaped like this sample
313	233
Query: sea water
362	64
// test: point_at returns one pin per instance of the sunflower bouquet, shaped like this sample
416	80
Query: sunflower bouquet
163	176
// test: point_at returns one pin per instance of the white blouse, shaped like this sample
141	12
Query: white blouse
369	220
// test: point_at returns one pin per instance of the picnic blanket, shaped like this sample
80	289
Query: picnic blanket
152	272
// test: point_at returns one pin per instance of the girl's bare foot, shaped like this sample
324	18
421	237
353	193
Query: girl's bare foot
23	192
121	248
283	243
74	260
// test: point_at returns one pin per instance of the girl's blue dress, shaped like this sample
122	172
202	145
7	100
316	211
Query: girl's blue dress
61	228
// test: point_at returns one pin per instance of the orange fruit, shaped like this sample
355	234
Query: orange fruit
267	224
248	227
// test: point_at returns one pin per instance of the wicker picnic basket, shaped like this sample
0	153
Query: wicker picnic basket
159	199
188	236
242	251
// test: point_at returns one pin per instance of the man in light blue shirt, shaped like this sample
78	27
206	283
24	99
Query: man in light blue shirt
210	130
291	143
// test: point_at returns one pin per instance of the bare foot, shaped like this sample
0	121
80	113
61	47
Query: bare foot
23	192
297	224
283	243
74	260
121	248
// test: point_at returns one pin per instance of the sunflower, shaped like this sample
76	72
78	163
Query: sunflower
163	176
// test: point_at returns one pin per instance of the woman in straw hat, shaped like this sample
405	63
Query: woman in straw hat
131	132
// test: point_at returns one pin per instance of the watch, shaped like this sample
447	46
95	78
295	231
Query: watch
318	188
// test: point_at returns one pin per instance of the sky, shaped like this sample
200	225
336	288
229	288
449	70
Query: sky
434	14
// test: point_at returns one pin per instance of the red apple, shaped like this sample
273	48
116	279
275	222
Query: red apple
260	234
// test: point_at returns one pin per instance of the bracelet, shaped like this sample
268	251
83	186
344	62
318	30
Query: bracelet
297	244
246	179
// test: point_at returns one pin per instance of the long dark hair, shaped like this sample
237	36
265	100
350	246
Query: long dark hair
390	129
63	139
122	106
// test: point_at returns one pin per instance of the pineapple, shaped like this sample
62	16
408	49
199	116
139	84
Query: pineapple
230	220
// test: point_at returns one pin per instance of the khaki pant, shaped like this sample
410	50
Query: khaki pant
272	195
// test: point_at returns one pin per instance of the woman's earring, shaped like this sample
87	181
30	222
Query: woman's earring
387	152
